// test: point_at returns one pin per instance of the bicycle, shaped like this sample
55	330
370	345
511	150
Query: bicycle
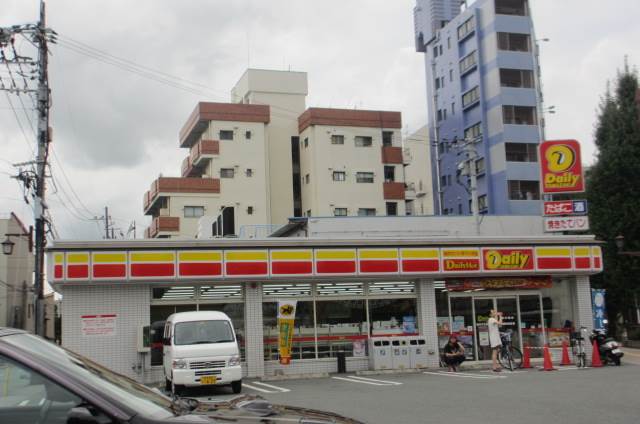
577	347
509	356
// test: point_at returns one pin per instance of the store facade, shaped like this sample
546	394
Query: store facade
346	290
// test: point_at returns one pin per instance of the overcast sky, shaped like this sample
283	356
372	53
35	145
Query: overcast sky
115	131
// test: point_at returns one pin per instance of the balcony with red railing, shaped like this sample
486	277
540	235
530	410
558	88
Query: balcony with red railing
393	191
163	226
200	154
391	154
165	186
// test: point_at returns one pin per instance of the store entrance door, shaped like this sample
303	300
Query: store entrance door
483	306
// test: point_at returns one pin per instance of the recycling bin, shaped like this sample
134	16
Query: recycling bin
380	353
418	352
400	353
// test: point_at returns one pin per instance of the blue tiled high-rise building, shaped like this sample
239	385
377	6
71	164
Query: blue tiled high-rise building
482	84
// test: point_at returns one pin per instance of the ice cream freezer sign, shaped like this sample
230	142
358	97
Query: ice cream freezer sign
561	167
98	325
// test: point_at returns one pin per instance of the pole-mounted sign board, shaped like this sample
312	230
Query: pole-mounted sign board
561	167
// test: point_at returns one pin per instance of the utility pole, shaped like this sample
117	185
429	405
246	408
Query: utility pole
106	222
41	163
34	180
468	167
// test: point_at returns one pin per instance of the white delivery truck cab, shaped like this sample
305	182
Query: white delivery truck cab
200	348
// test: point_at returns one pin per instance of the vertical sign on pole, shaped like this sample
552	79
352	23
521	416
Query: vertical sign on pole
286	319
561	166
598	308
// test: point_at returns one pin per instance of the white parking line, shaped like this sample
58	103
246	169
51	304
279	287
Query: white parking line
353	380
249	386
280	389
376	381
506	371
461	375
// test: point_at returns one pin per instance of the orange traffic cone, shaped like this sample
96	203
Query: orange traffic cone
548	363
595	356
565	354
526	359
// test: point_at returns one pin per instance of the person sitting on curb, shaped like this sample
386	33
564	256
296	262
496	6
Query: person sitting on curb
453	353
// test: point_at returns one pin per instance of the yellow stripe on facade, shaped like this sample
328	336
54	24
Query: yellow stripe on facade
596	251
248	255
378	254
553	251
335	254
77	258
109	257
288	255
460	253
199	256
58	258
419	253
153	257
581	251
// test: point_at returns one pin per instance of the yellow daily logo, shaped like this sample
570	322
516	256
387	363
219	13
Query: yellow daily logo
560	158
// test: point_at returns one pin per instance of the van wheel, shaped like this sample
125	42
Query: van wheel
236	386
176	390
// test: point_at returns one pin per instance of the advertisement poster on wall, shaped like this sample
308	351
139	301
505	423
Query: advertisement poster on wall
286	320
98	325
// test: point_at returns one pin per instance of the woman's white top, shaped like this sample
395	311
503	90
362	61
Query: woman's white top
494	332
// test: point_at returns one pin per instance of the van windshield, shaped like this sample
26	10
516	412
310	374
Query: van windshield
201	332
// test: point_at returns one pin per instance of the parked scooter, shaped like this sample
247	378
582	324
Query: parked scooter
610	351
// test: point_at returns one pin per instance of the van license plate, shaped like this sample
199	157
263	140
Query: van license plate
208	379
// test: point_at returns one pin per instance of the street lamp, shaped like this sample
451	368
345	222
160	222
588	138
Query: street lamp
619	242
620	246
7	246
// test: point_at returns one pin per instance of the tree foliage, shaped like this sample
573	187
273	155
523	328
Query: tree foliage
613	192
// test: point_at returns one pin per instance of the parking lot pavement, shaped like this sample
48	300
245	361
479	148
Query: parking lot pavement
569	395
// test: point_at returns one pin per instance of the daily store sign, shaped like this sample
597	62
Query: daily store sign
507	259
561	166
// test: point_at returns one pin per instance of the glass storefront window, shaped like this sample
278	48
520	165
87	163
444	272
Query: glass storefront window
462	324
341	326
172	294
303	335
339	289
228	291
557	303
531	323
384	288
286	290
235	311
393	316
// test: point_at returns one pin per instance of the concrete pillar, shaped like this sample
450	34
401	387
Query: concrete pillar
584	314
254	349
426	305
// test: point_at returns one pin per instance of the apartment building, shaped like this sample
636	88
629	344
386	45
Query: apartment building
418	193
482	87
264	157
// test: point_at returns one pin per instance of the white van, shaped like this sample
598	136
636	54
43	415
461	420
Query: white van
200	348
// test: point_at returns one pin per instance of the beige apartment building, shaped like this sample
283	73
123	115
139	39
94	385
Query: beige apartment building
264	157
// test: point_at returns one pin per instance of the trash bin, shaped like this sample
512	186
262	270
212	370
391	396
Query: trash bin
342	361
418	352
400	356
380	353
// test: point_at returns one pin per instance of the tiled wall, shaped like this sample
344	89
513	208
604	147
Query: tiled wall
254	351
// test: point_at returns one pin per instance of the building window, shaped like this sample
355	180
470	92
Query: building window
450	75
307	179
337	139
443	180
367	212
363	141
453	108
226	135
519	115
524	190
473	131
439	115
519	78
387	138
514	42
226	172
482	203
521	152
512	7
480	166
339	176
340	212
247	135
364	177
249	172
448	42
468	62
437	83
389	174
306	142
471	97
193	211
392	208
249	210
466	28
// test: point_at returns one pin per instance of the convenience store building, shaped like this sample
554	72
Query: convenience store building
410	276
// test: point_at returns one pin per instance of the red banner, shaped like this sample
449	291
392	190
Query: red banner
561	166
499	283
